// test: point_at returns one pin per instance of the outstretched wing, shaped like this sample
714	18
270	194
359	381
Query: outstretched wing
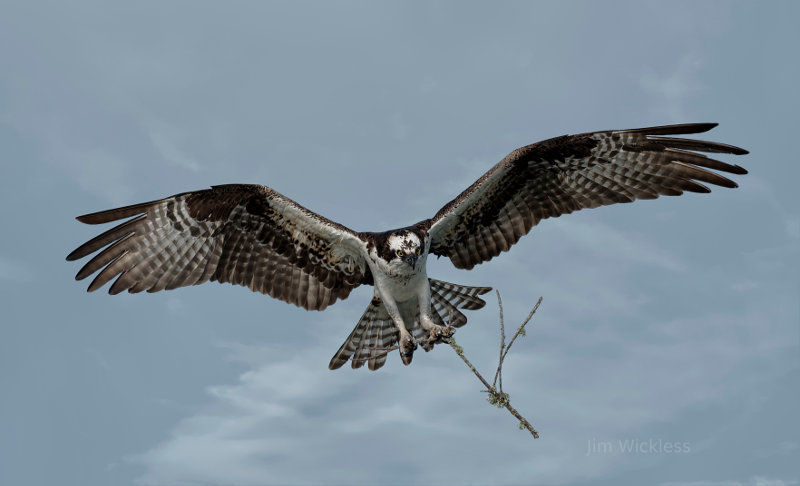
243	234
565	174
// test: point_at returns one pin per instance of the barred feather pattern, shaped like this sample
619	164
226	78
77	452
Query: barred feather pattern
447	298
569	173
242	234
376	333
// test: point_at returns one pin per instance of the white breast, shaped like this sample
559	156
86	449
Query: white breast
397	278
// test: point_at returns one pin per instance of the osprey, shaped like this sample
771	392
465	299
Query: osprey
250	235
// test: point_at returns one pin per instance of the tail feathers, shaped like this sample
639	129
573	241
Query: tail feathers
376	332
447	298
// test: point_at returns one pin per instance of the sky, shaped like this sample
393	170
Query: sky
666	349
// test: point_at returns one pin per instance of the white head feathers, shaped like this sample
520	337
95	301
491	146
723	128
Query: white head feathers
406	241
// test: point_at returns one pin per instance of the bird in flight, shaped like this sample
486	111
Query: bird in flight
251	235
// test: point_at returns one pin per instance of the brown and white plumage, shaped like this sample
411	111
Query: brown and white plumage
565	174
375	332
251	235
243	234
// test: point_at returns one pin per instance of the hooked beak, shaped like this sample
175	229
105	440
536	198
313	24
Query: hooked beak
411	259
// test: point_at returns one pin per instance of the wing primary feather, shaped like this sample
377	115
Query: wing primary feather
150	248
704	161
693	172
109	215
680	129
104	239
111	271
699	145
104	257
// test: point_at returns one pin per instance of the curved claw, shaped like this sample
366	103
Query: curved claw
436	336
439	332
407	347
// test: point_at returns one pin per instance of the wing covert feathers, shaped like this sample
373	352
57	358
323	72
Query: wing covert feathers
247	235
569	173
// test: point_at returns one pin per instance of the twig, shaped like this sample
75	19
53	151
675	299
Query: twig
497	396
521	329
502	342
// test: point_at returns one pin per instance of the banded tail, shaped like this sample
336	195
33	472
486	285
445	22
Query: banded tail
375	332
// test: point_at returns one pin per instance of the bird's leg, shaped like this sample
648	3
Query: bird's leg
436	331
407	343
407	346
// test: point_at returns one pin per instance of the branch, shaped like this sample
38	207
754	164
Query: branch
502	342
497	397
520	332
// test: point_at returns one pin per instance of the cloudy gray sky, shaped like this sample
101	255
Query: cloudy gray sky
672	321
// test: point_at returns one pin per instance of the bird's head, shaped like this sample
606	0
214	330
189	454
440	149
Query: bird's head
405	247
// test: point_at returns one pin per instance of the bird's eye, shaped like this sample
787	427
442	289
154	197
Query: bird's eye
401	253
419	251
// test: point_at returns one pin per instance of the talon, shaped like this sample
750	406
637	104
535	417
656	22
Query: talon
407	347
439	332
